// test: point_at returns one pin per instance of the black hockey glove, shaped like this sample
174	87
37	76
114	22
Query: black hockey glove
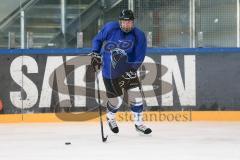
96	61
129	80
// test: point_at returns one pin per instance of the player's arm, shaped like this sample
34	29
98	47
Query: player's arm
140	51
98	40
96	59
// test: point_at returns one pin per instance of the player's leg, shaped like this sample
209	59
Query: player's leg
114	94
113	105
136	104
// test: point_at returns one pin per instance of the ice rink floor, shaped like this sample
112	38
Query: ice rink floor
169	141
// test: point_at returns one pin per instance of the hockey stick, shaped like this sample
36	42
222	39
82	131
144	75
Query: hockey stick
142	93
104	139
141	89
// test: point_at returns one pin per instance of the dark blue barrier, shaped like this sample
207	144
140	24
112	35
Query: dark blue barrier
149	51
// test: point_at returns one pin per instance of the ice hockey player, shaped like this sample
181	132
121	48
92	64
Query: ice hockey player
120	48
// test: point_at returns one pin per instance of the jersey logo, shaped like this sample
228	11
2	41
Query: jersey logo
122	44
118	55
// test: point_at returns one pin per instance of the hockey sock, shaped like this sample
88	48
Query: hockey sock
137	111
111	118
111	111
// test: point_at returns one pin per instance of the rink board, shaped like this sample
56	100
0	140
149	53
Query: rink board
177	116
59	81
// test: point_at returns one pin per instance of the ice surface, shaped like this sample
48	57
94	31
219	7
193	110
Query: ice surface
169	141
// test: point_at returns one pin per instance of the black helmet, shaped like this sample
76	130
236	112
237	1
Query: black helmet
126	15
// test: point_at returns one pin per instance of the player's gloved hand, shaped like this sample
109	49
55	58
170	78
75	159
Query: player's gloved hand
129	80
96	61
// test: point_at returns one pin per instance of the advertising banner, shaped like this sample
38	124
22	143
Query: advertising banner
52	82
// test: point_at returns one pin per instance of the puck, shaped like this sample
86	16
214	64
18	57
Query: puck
67	143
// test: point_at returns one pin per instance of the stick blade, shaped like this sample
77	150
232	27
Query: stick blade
104	139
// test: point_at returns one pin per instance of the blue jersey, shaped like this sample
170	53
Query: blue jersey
121	52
